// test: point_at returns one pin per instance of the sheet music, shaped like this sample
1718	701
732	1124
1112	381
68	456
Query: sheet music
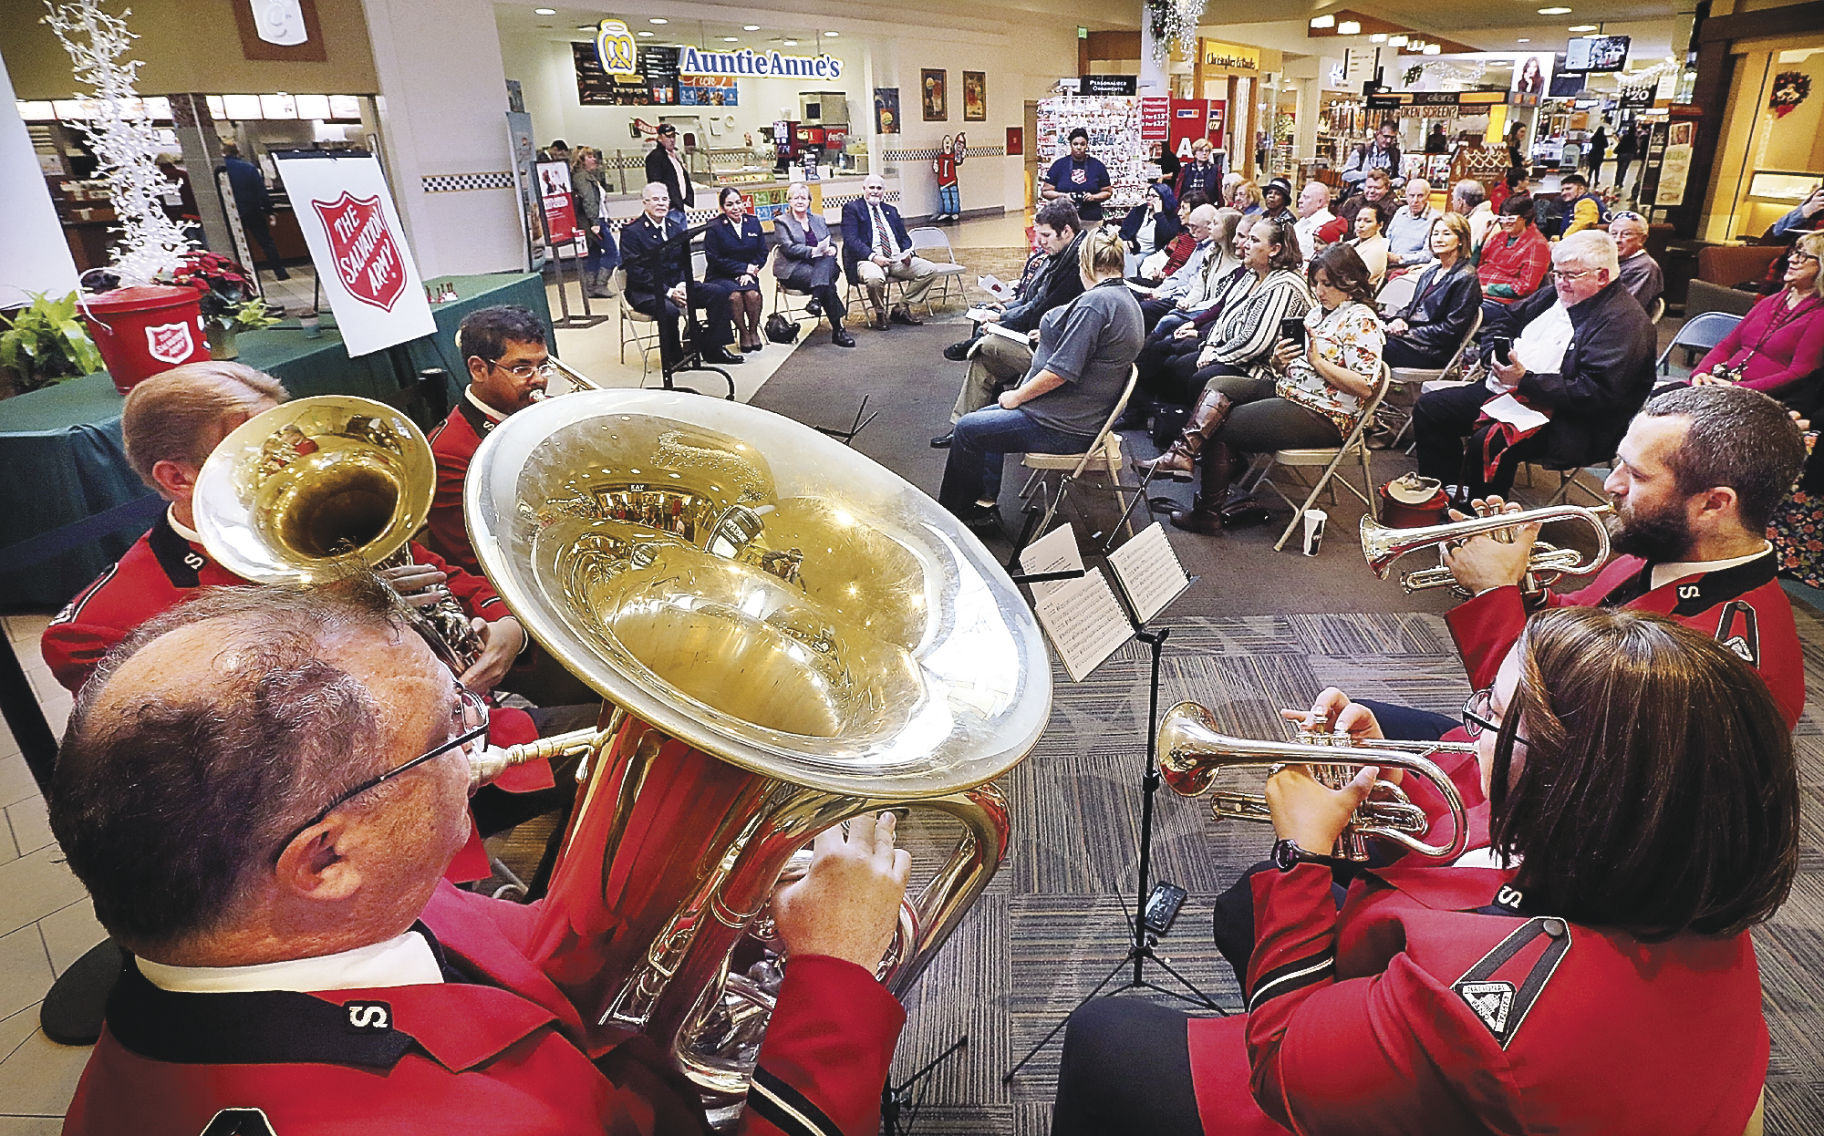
994	286
1084	622
1148	571
1515	413
1056	551
1007	333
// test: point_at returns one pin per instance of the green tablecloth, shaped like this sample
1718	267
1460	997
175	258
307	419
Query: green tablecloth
61	459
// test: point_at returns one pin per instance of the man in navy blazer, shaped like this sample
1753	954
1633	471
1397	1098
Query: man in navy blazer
655	251
876	246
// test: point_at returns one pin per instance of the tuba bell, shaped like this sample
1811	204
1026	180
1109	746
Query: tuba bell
786	635
295	490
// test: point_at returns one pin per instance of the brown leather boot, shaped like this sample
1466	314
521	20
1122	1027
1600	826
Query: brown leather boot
1178	461
1205	515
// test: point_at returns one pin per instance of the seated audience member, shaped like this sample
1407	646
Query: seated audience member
1515	258
1514	183
1171	293
1269	286
997	362
170	425
504	350
1313	396
734	250
1082	363
1313	214
1582	356
1246	196
1370	241
1641	818
1276	201
1469	198
1429	330
1150	227
294	955
807	260
1179	331
1805	217
1199	174
1640	273
1377	190
1778	347
1582	209
1409	231
656	256
876	248
1196	285
1171	257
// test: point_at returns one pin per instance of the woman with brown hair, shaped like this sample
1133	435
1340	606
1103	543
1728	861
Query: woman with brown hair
1431	327
1584	968
1309	394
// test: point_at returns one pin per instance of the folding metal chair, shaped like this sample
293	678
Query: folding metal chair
1102	456
647	340
1697	335
1330	459
927	241
1404	378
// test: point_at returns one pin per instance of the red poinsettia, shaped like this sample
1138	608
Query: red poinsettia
221	283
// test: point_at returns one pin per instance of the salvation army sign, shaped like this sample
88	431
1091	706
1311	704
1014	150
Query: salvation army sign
170	342
358	247
367	261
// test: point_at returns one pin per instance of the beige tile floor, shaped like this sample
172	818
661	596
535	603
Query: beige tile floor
46	922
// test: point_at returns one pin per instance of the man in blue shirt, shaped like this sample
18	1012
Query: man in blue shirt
1803	218
253	203
1079	178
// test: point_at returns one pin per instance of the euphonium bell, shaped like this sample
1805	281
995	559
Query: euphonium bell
790	635
293	492
1193	753
1382	545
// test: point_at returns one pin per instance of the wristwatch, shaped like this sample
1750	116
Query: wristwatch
1288	855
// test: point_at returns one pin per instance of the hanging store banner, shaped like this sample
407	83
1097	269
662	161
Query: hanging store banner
1155	118
357	247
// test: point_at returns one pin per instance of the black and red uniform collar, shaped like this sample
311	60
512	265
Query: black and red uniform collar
1703	591
176	555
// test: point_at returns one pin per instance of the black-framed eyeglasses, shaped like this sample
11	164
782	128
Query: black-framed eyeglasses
1476	711
524	371
1798	255
471	722
1626	215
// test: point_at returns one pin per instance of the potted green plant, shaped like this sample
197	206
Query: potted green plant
43	343
228	300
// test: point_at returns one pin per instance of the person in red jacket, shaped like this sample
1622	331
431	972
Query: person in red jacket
1589	970
296	963
1514	258
504	349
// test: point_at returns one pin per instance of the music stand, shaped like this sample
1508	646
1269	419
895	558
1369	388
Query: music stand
1141	946
692	359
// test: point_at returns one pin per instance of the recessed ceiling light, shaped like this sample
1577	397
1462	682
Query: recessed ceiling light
644	33
1523	39
1378	37
1349	27
791	43
585	27
731	39
1583	28
750	27
1396	41
829	35
1323	21
663	20
545	11
1553	11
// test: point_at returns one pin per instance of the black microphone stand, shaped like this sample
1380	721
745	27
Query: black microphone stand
692	359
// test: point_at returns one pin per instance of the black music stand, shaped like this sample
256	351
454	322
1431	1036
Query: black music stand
896	1100
694	333
1141	947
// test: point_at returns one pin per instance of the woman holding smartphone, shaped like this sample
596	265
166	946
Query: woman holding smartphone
1325	368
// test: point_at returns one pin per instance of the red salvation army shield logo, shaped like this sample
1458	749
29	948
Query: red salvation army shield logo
367	258
170	342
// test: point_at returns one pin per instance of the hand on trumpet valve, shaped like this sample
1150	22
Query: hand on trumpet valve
847	904
1490	560
417	584
1311	813
1332	713
501	643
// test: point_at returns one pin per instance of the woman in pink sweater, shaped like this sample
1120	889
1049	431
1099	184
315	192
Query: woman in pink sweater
1778	347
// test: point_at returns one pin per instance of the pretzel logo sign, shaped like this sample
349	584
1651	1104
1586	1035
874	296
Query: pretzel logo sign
367	258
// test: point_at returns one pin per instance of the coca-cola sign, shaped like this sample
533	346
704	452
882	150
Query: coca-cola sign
367	258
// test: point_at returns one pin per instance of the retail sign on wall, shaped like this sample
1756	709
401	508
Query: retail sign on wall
357	247
614	49
747	61
1100	85
1155	118
654	82
1229	56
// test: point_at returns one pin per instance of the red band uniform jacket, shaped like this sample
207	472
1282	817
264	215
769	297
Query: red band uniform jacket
495	1049
1743	606
453	444
1435	1002
162	569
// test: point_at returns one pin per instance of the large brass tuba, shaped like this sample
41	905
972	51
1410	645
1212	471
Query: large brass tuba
293	491
789	635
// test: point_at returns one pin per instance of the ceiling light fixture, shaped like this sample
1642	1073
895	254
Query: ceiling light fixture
1523	39
750	27
1378	37
544	11
1433	49
791	43
644	33
1349	27
658	20
1553	11
1323	21
1396	41
830	35
731	39
1582	28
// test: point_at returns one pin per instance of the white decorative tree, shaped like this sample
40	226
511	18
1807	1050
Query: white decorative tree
120	132
1173	21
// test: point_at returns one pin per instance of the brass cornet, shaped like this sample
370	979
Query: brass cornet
1382	545
1192	752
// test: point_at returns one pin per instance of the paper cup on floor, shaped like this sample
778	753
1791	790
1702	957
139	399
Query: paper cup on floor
1315	520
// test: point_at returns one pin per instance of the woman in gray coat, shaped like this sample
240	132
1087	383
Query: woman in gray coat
807	260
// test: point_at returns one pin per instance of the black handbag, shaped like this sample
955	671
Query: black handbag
781	330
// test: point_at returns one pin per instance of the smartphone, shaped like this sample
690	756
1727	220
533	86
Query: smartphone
1503	349
1293	328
